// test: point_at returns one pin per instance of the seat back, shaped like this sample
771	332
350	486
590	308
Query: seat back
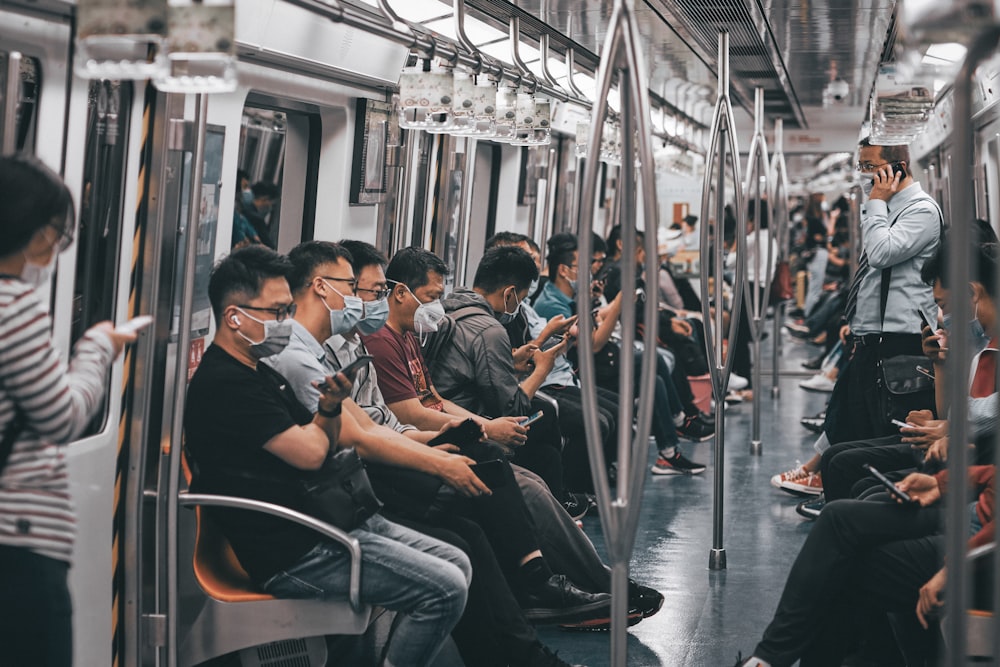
216	567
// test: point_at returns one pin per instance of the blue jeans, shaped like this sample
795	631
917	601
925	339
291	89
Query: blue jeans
421	578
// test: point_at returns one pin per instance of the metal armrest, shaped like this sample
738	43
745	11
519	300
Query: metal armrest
548	399
981	552
321	527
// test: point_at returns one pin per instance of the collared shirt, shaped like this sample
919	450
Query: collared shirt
561	374
341	351
902	233
552	302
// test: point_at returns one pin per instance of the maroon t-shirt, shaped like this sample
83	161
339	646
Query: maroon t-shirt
400	368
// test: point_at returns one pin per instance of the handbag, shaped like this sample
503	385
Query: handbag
904	383
340	492
412	494
10	435
781	283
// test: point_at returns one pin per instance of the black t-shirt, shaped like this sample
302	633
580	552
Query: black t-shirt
232	411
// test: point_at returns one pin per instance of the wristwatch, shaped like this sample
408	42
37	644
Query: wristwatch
330	414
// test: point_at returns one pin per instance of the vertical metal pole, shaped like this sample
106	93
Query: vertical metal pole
779	203
10	99
181	370
712	259
961	254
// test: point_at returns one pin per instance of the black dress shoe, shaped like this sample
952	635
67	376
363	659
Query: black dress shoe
558	600
644	599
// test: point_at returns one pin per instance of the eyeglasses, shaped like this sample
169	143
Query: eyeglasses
868	166
377	293
351	282
65	237
602	260
280	313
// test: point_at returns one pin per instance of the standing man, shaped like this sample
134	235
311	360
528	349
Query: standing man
901	229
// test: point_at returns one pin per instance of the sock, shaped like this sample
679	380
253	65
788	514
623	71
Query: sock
679	419
668	452
536	572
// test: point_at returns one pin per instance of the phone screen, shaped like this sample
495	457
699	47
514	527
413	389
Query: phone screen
532	419
551	342
889	485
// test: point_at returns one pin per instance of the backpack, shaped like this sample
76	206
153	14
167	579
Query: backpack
431	348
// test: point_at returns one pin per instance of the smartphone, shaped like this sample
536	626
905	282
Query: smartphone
893	490
902	424
527	421
897	168
135	324
551	342
350	370
923	321
464	434
491	472
925	372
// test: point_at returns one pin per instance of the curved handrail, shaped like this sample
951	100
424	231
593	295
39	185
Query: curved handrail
779	222
621	54
326	530
543	50
723	123
458	7
755	297
527	77
570	66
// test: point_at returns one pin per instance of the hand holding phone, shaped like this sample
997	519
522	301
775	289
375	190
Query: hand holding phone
527	421
466	433
551	342
902	424
135	324
891	487
351	369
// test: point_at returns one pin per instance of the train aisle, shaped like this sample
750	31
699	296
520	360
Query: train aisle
709	616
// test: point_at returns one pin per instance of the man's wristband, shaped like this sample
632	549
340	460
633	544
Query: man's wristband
330	414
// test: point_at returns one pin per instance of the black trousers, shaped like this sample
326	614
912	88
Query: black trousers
36	614
862	557
575	460
493	631
841	464
853	412
542	453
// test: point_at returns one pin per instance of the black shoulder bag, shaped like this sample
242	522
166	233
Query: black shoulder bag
11	434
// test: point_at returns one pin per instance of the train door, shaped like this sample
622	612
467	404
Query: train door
988	173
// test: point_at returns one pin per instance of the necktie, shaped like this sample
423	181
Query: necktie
852	295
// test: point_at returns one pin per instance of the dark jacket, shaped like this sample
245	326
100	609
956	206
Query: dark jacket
475	368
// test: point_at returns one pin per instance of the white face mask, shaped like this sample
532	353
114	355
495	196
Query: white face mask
36	275
867	184
427	316
276	336
342	321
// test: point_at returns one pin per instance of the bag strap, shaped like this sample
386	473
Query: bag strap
886	276
10	435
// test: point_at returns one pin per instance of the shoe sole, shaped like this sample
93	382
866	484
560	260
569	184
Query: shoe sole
801	492
815	428
665	472
824	390
805	513
599	624
691	438
572	615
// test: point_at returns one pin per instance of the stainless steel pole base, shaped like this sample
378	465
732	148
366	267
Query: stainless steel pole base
756	447
775	392
717	559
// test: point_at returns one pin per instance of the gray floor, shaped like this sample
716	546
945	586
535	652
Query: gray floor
710	615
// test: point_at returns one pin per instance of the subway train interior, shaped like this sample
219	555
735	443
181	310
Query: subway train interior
189	130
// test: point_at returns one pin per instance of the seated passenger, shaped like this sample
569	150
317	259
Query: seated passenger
323	311
566	547
243	422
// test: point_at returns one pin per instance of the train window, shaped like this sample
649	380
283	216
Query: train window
24	124
99	234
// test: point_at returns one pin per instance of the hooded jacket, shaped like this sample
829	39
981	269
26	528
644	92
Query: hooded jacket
475	368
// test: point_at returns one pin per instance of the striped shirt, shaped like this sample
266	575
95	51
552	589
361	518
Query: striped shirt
35	508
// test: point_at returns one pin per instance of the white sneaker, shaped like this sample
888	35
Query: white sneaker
733	397
818	382
737	382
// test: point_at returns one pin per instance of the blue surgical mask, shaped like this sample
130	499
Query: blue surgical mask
533	287
976	330
342	321
572	285
276	336
376	313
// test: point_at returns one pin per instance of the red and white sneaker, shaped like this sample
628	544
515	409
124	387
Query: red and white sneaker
798	472
810	485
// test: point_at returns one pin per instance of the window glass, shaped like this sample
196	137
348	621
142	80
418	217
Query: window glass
257	212
100	222
24	124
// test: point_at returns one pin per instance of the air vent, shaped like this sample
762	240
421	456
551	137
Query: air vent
308	652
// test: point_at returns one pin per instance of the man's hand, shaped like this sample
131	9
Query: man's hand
546	359
922	488
938	451
506	431
523	358
926	434
454	470
886	183
333	390
934	344
930	596
558	325
845	331
680	327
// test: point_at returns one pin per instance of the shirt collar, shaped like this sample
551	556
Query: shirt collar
555	293
307	340
905	196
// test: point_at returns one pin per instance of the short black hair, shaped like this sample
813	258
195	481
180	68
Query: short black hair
561	248
984	266
263	189
893	153
33	197
507	239
503	266
240	276
691	220
599	244
363	255
305	257
410	267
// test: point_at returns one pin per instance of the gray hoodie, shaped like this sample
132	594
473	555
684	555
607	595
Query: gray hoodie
475	368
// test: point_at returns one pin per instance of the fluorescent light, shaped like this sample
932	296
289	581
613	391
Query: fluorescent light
951	52
419	11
